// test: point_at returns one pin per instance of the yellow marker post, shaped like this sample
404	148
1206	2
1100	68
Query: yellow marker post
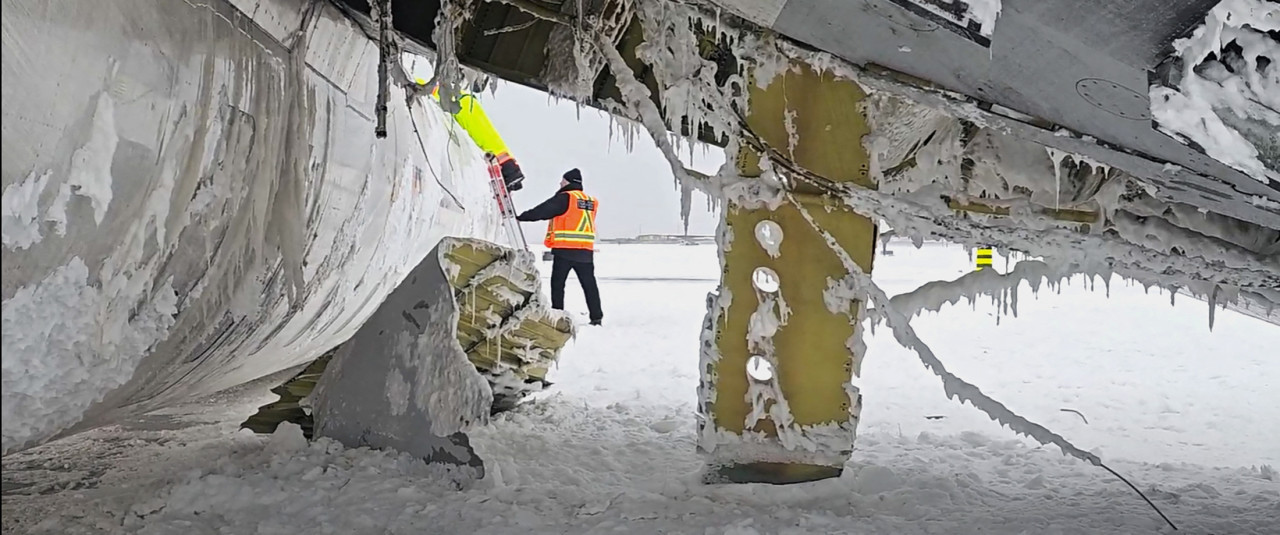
984	258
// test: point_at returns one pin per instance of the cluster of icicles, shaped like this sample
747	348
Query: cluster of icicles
714	108
691	93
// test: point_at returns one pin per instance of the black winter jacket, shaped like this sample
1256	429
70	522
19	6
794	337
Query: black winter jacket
552	208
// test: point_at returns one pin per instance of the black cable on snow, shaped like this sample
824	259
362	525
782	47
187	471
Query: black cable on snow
955	386
1144	496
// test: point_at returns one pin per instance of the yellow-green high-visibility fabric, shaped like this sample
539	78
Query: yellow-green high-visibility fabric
471	117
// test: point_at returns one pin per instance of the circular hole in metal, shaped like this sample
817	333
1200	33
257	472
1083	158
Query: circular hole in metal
759	368
765	279
769	234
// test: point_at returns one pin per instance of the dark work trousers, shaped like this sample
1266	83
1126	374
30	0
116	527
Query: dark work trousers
586	271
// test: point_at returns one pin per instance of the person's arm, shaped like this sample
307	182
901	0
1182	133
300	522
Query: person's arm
549	209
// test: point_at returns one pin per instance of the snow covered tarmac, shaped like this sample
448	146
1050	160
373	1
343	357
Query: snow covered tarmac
1188	415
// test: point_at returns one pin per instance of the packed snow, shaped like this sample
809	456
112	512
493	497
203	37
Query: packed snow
67	344
610	447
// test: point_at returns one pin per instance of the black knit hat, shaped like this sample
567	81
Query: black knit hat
573	176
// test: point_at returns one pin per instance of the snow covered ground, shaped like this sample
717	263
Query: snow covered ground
1188	415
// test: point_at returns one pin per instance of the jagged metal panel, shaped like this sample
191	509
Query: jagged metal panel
384	386
1081	64
502	324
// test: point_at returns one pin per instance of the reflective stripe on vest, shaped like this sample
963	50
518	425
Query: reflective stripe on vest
576	227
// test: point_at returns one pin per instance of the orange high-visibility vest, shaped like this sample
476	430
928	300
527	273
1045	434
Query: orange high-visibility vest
576	227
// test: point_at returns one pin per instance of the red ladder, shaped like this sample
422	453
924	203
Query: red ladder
506	208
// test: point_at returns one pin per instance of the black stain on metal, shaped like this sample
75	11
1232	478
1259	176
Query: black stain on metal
409	317
959	9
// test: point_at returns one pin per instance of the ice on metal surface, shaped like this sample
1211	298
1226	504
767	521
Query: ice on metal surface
1229	89
204	160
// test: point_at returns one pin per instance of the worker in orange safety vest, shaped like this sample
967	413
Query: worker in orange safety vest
571	236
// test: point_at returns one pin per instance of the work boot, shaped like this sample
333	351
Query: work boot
597	321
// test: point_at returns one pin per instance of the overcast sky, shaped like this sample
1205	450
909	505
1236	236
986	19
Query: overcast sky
635	187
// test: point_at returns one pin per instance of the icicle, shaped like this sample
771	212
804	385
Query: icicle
686	203
1013	295
613	123
1213	305
999	304
1058	157
954	387
1001	288
636	95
